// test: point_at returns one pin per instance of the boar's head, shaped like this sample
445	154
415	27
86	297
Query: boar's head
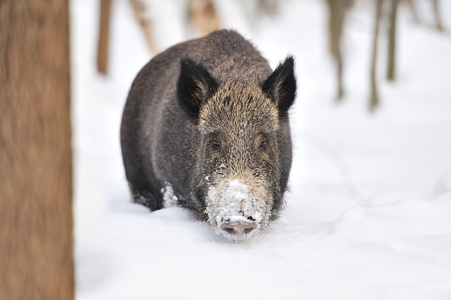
237	175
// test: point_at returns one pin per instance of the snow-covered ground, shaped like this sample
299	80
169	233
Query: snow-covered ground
369	209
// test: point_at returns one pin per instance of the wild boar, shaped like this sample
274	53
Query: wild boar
206	126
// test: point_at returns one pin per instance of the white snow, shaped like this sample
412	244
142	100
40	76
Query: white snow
368	213
443	184
169	198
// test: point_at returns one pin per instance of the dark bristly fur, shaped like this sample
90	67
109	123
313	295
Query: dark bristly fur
204	113
281	86
196	85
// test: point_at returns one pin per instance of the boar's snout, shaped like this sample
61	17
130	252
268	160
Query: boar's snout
239	228
237	211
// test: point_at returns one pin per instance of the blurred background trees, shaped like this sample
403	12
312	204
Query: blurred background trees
385	12
203	16
337	13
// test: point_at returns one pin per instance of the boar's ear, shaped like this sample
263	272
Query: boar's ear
280	86
194	87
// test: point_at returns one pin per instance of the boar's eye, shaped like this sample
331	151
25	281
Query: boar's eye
263	145
262	142
216	144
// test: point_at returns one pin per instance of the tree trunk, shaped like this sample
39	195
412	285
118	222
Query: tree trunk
374	100
392	41
337	13
413	11
438	19
203	15
104	36
36	243
146	25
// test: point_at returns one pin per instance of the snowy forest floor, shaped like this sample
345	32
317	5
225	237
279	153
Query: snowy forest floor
368	213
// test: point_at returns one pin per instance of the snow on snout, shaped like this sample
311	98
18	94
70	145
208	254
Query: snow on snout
234	201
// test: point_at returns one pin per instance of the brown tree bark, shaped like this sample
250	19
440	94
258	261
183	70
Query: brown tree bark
374	98
337	13
437	16
35	151
146	25
104	36
203	15
413	11
391	63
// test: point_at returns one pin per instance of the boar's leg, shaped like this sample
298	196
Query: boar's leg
144	189
146	198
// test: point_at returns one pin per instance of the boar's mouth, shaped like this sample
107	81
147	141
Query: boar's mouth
236	211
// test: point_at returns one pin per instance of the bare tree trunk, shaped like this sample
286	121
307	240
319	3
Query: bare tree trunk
203	15
270	7
374	100
104	36
36	245
438	19
392	41
146	25
337	13
413	11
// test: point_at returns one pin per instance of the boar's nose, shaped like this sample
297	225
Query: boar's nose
238	228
